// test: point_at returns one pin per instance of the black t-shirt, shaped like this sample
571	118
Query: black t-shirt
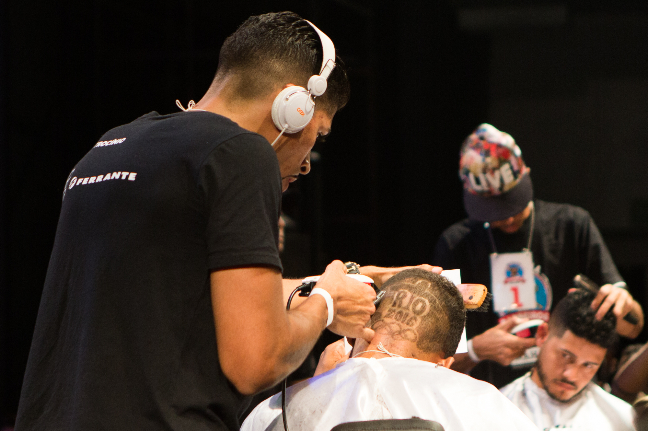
125	334
565	242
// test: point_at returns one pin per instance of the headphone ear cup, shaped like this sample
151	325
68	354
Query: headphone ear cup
317	85
292	109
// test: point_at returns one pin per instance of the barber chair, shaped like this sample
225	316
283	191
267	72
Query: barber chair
413	424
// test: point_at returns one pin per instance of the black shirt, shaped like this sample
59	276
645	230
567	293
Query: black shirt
565	242
125	334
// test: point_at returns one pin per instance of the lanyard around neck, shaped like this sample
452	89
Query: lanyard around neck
528	247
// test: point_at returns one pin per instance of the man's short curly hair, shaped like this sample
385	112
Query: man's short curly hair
574	313
422	307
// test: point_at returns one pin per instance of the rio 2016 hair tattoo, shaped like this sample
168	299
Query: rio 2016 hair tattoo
403	315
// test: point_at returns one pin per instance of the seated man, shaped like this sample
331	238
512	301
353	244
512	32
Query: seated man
402	373
558	392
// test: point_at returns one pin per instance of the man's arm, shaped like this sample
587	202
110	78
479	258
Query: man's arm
259	342
632	377
496	344
290	284
600	266
377	273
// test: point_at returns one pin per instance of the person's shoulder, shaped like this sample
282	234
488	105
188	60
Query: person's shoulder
462	380
202	127
207	131
554	209
458	236
562	216
458	230
611	405
601	393
415	370
515	386
401	368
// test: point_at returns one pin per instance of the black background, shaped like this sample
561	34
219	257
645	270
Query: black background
424	74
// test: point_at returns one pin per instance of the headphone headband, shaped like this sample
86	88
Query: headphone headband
294	106
328	52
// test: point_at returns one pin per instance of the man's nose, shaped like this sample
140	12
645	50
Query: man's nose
570	373
306	165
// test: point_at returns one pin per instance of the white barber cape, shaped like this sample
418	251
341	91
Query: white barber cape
390	388
593	410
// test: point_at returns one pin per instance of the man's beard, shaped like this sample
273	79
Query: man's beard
544	380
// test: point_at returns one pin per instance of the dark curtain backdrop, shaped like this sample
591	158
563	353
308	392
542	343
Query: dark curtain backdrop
5	377
385	182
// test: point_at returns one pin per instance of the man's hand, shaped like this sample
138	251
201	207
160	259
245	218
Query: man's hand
380	275
334	354
498	345
621	303
352	302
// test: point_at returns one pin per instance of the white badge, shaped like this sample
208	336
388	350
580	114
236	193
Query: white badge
513	282
454	275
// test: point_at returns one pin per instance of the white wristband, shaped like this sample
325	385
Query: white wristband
471	351
329	302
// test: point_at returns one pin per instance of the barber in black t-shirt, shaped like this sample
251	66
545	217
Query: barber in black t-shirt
163	306
526	250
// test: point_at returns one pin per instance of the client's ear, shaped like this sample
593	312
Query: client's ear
447	362
542	333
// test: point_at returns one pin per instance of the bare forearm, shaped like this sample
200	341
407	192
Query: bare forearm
288	286
304	325
496	344
259	342
280	352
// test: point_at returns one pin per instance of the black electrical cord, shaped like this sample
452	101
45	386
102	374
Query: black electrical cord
304	290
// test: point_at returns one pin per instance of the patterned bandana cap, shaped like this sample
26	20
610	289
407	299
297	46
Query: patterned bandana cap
496	181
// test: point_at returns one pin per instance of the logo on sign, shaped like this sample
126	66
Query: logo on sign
514	274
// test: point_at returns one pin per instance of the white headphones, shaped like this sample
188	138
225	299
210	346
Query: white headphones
294	106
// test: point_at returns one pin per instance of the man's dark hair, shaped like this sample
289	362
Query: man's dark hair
422	307
269	51
574	312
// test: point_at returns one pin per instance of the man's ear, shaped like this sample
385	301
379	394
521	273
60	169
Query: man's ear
542	333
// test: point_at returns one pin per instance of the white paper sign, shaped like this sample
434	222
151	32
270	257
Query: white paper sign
513	281
454	275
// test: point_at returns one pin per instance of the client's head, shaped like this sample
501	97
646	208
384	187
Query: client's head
572	346
422	315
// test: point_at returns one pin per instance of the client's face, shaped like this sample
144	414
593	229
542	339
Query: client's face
566	365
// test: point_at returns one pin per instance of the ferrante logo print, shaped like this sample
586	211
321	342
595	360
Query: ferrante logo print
119	175
75	181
